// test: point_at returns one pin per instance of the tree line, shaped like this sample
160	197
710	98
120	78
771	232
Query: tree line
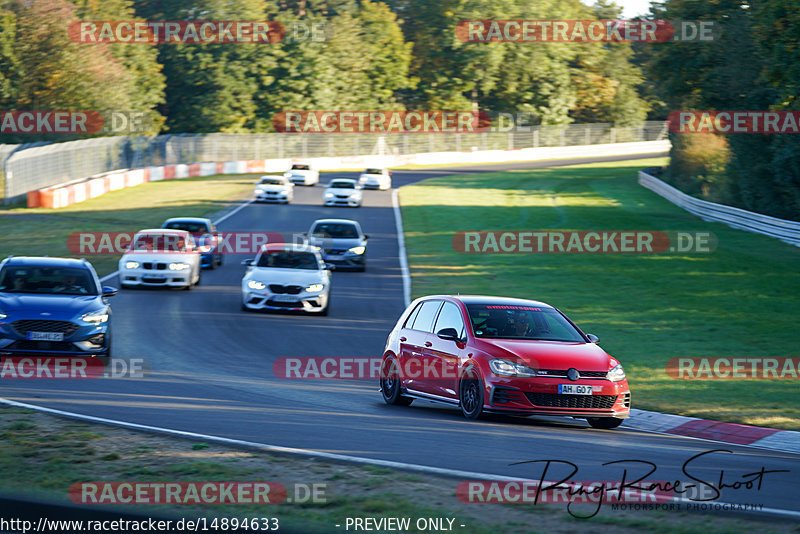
393	55
752	66
405	55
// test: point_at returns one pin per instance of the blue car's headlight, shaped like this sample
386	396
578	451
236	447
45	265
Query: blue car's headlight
95	317
3	314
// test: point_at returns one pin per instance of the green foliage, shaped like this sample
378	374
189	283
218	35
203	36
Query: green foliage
753	65
336	54
42	69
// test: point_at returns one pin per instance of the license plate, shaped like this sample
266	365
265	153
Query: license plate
574	389
284	298
46	336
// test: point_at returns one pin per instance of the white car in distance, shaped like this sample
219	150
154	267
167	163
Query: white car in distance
274	188
303	174
342	192
287	277
376	179
160	258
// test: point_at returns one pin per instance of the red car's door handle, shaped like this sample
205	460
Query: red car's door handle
428	343
402	339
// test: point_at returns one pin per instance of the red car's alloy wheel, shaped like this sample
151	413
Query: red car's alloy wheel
390	384
471	394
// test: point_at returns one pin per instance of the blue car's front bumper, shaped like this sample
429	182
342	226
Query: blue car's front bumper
73	339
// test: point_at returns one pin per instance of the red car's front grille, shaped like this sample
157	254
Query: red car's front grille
554	400
584	374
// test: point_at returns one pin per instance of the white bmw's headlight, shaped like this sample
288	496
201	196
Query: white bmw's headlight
357	250
616	374
255	284
507	368
178	266
132	265
315	288
328	194
95	317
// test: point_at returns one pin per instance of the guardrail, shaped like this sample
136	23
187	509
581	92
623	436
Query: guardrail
31	168
787	231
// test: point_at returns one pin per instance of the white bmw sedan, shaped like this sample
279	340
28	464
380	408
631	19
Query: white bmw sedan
342	192
376	179
272	188
287	277
303	174
160	258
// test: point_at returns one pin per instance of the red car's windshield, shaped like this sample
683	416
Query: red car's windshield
500	321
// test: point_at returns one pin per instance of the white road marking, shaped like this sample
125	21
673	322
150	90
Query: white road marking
401	248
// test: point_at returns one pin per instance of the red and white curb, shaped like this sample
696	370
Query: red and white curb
734	433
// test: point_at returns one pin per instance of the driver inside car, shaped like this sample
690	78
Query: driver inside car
519	324
70	284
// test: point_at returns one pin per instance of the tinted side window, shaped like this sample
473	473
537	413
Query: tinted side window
410	321
450	317
427	312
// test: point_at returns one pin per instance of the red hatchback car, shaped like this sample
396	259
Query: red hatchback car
501	355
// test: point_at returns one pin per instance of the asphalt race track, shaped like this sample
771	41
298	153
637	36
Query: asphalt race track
212	373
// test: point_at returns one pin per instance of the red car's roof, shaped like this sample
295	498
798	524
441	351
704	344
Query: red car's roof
486	299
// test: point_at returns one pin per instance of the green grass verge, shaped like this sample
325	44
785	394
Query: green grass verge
739	301
42	456
44	231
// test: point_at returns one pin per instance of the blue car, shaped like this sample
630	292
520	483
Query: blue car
53	306
205	235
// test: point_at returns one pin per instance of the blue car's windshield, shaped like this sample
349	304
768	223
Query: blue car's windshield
44	279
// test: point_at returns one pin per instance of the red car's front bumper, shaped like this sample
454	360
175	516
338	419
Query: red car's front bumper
540	396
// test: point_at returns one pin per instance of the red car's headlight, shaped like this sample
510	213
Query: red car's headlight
616	374
506	368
